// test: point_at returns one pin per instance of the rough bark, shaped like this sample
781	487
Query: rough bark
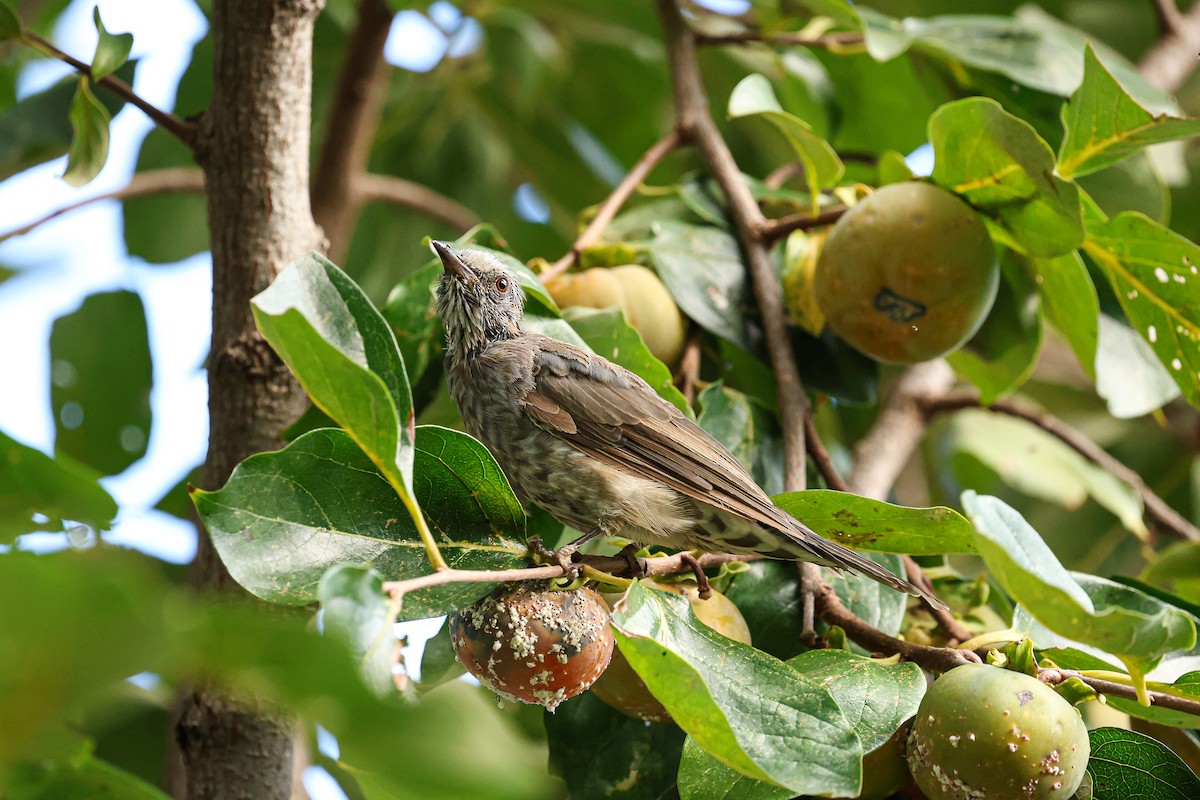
254	149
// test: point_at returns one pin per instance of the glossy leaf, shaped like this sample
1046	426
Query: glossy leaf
101	376
345	355
749	431
1126	764
355	610
768	595
600	753
1155	274
999	165
879	606
749	710
1133	626
702	268
89	141
608	334
40	493
411	311
284	518
112	49
1104	124
865	524
1070	303
754	97
1003	352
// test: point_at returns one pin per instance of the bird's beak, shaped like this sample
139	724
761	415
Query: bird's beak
451	262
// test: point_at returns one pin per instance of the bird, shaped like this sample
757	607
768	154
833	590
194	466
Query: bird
596	446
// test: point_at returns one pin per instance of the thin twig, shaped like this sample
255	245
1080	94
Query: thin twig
1157	512
1159	699
612	204
939	659
1172	59
772	230
181	129
350	127
833	41
158	181
783	173
1167	15
408	194
688	371
617	566
820	456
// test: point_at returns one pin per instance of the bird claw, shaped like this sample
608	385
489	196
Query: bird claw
562	557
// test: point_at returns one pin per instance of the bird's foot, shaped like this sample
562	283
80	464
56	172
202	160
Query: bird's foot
562	557
702	586
629	552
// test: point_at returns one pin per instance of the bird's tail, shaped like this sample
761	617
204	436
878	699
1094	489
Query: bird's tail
808	543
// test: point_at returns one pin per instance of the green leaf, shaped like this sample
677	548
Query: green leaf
1104	124
345	355
875	604
702	268
438	661
10	26
83	777
37	129
748	430
112	50
865	524
1003	352
89	142
1129	375
1155	274
608	334
600	753
356	611
101	375
754	97
1126	764
1070	303
411	311
33	485
119	609
749	710
1133	626
1040	465
999	165
286	517
768	595
702	777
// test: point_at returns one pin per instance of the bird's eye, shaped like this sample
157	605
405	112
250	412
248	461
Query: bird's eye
502	284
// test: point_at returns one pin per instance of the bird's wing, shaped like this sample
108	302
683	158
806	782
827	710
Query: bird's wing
613	415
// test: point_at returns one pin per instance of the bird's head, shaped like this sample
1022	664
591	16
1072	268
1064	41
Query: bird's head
479	300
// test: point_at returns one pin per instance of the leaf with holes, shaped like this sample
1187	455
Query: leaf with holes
1155	274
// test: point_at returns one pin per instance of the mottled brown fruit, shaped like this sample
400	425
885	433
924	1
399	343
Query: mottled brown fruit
908	274
622	688
641	296
985	733
532	645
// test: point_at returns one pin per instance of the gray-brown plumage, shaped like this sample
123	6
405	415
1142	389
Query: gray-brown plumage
595	445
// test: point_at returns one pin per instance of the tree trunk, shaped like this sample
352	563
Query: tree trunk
254	149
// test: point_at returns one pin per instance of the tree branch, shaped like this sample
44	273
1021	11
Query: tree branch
882	453
142	184
1159	699
612	204
1157	512
1172	59
181	129
833	41
352	122
694	121
772	230
372	188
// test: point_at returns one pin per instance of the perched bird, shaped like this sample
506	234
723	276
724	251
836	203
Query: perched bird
595	446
